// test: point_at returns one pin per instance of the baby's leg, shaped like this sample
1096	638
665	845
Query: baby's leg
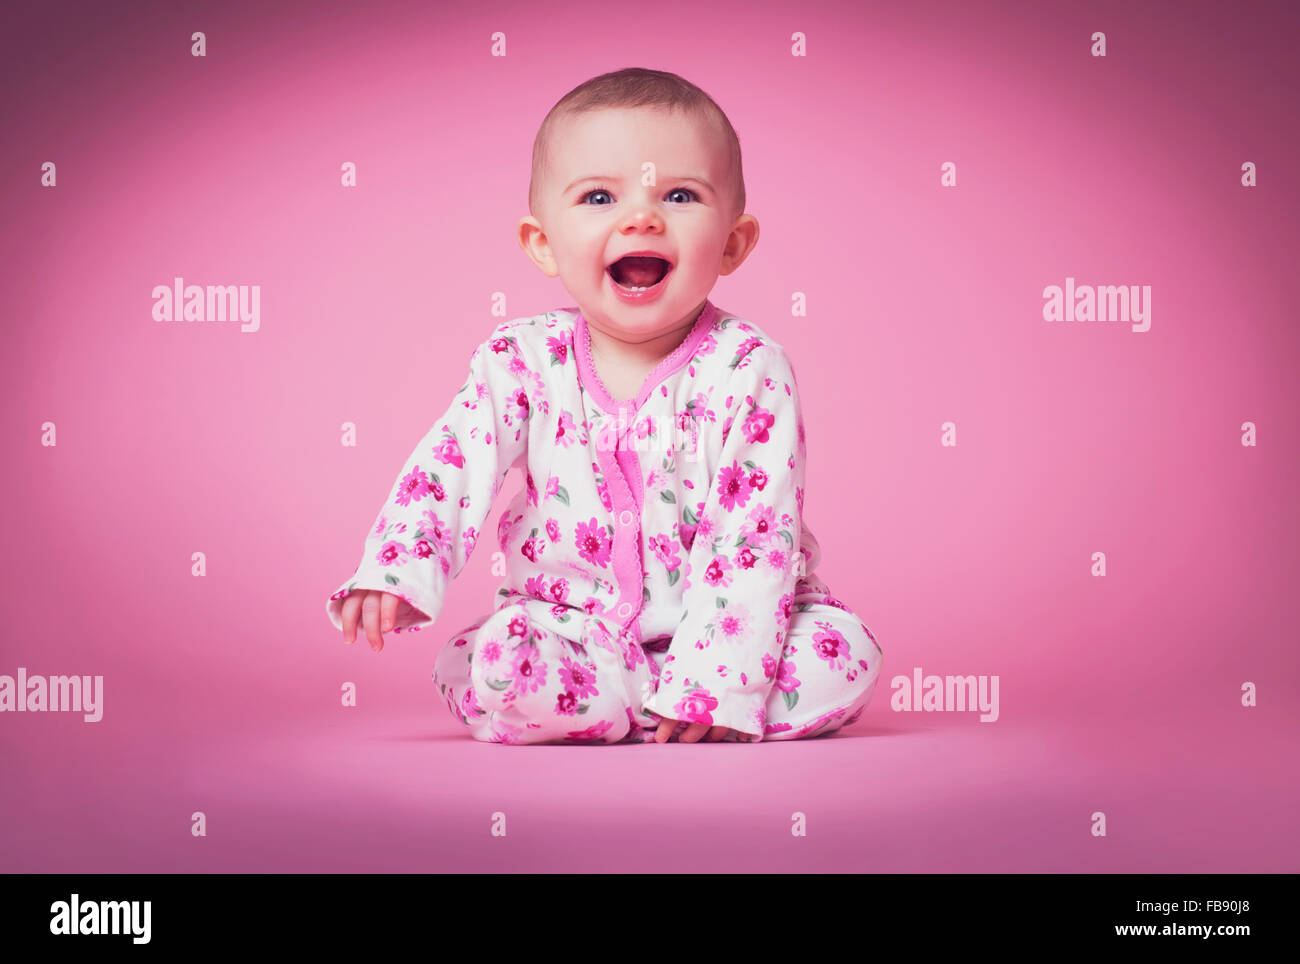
827	671
512	681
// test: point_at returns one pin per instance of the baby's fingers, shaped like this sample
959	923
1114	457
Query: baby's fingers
351	610
388	611
370	619
717	733
666	727
693	733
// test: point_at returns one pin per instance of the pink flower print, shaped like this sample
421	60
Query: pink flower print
591	733
566	432
579	679
413	487
553	487
469	540
757	424
392	553
665	550
519	627
696	706
759	528
552	530
704	524
558	611
601	637
832	601
643	428
733	486
831	645
633	654
758	479
718	573
785	678
506	528
530	548
655	481
769	666
748	345
732	622
566	704
559	349
517	405
536	586
437	532
784	609
505	733
593	542
499	345
448	452
469	704
531	488
745	558
380	525
528	669
560	589
490	651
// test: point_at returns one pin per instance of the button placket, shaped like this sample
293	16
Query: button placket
627	519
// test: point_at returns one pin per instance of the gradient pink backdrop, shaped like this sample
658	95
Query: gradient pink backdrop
1119	694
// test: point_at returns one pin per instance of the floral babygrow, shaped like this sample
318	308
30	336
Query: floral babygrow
656	560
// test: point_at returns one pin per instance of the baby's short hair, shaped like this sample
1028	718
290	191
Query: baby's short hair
638	87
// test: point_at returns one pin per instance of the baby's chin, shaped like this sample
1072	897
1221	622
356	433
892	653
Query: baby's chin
643	324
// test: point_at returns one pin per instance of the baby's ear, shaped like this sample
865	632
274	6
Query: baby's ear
532	238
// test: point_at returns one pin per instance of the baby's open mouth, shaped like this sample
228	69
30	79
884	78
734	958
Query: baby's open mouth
639	271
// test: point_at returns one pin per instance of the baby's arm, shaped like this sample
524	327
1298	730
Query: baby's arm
723	658
431	521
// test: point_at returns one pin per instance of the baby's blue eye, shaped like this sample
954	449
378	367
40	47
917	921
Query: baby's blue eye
597	191
682	190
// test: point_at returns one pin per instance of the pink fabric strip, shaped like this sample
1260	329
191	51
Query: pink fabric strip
621	466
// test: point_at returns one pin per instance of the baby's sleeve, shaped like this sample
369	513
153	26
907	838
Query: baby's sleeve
427	528
745	558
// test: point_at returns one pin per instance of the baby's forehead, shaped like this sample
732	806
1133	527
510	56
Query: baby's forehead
680	139
651	122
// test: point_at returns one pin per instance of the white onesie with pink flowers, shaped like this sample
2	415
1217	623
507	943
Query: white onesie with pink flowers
656	560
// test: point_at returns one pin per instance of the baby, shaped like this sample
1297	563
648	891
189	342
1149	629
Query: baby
659	580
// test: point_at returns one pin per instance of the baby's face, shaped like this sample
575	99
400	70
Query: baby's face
594	208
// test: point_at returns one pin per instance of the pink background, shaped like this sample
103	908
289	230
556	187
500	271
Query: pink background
221	694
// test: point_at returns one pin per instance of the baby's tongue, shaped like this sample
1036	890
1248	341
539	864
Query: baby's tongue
639	272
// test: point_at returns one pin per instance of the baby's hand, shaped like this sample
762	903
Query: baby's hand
691	734
375	608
